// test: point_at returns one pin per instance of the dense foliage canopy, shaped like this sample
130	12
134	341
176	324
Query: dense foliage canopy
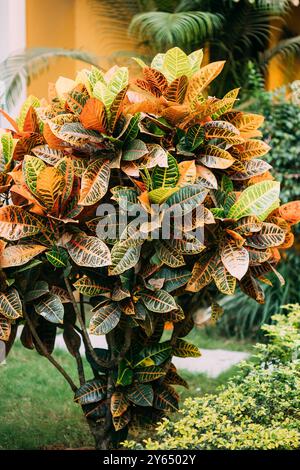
96	152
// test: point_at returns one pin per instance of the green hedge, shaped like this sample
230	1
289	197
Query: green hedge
258	409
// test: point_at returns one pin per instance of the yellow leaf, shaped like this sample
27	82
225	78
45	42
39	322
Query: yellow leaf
187	173
49	185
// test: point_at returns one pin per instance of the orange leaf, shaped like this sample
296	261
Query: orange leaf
156	79
290	212
288	241
31	122
93	115
187	173
53	141
177	89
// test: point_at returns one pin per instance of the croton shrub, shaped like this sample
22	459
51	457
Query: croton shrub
116	202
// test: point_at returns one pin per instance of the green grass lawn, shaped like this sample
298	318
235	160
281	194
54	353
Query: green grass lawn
36	404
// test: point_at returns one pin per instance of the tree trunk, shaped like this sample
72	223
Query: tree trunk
103	434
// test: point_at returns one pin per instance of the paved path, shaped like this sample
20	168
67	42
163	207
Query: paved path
212	362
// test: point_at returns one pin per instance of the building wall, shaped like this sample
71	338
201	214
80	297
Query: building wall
70	24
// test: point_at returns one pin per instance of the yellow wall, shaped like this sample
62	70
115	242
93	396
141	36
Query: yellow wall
71	24
50	23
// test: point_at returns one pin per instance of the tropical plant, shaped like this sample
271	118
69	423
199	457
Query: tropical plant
257	409
96	155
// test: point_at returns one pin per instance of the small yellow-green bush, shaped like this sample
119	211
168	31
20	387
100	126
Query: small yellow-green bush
258	409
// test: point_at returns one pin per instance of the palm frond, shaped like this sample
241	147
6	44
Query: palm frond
273	6
20	67
286	47
118	12
184	29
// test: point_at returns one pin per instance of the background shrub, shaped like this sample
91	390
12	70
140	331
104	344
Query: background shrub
258	409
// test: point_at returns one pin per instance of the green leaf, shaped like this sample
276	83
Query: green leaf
224	281
169	255
124	256
30	101
195	59
39	289
125	373
31	167
102	92
135	150
172	278
58	257
166	177
155	354
176	63
119	80
91	392
76	99
105	319
126	197
165	399
159	195
132	129
51	308
90	287
184	349
140	394
10	304
148	374
186	199
260	199
226	184
159	301
8	146
194	137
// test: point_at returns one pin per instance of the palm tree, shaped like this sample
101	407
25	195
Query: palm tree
237	31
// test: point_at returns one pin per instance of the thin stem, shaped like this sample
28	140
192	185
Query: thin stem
85	335
46	353
127	342
82	309
80	368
